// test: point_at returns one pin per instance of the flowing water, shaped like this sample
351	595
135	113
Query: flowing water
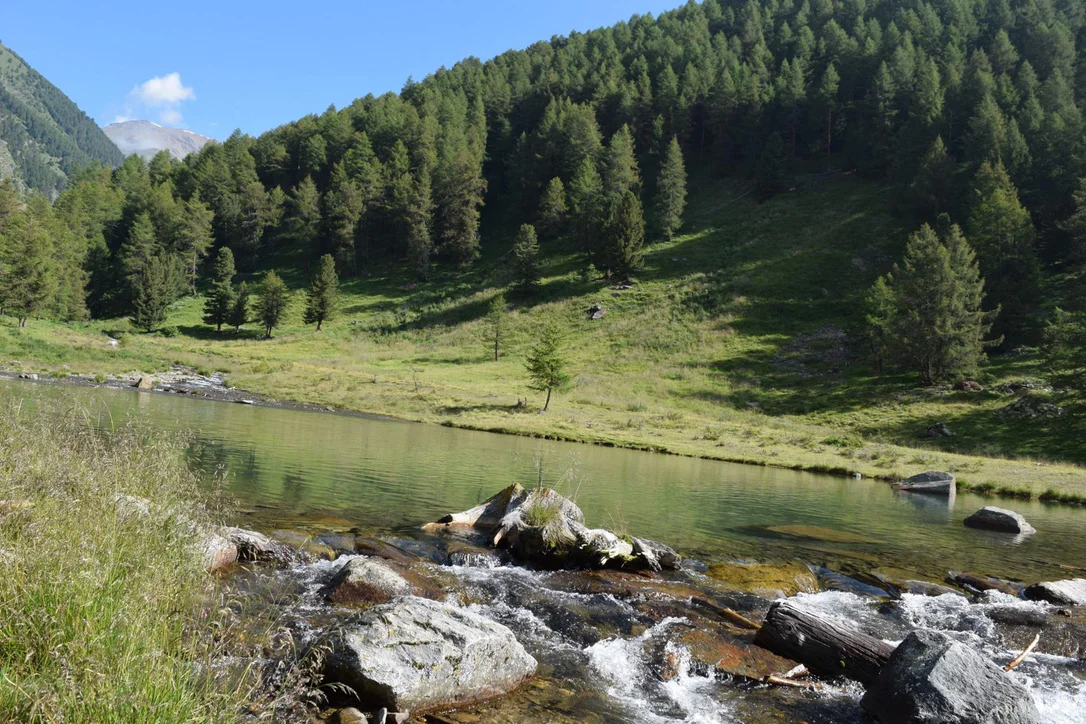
319	472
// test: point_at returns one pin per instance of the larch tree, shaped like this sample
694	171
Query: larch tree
526	258
551	218
194	235
322	297
303	216
671	191
931	190
620	170
272	303
239	312
28	270
220	293
624	237
770	173
342	210
587	209
546	364
495	323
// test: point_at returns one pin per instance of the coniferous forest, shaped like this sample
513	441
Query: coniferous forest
970	109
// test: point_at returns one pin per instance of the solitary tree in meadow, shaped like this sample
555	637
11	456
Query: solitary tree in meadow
546	365
220	295
495	322
323	293
272	303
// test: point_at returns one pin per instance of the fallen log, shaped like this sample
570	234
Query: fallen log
1022	656
826	647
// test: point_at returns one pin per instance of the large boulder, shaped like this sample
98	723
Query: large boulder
932	482
1071	592
218	551
992	518
420	655
365	581
932	679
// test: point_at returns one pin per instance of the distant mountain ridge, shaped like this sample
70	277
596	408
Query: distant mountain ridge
147	138
44	136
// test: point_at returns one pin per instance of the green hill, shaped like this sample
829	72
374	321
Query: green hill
43	135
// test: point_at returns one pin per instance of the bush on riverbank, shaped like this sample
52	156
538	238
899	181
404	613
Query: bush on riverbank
103	613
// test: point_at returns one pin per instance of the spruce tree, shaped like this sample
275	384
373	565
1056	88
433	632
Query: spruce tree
272	304
671	191
154	291
552	209
220	293
28	268
322	297
239	313
526	258
624	237
495	322
1002	233
546	365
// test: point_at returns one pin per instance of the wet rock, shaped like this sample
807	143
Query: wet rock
712	651
833	581
306	544
365	581
383	549
339	543
978	583
992	518
256	547
767	581
932	482
656	555
350	715
899	586
418	655
218	552
1071	592
463	553
145	382
930	678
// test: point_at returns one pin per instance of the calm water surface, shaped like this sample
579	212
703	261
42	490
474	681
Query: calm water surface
289	468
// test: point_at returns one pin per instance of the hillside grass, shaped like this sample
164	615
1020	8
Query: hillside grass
103	606
739	342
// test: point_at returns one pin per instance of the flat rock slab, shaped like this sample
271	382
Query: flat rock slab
420	655
932	482
1071	592
992	518
932	679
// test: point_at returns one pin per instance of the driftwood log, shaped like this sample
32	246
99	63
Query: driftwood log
826	647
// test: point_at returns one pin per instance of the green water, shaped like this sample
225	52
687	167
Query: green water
287	468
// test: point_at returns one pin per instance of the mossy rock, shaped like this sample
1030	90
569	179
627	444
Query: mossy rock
771	581
817	532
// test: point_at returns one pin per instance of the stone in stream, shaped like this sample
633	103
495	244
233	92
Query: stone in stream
978	583
932	482
992	518
1071	592
365	581
306	544
769	581
713	651
145	382
931	679
256	547
420	655
898	586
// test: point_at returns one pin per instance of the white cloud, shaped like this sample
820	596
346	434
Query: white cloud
121	119
170	117
164	90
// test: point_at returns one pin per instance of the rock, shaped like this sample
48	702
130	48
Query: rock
816	532
383	549
908	585
768	581
656	555
930	678
968	386
420	655
257	547
978	583
380	716
218	552
339	543
145	382
304	543
991	518
1071	592
711	651
130	505
939	429
1029	407
365	581
350	715
932	482
596	311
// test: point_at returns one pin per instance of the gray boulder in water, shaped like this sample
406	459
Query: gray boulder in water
365	581
932	679
1071	592
932	482
420	655
992	518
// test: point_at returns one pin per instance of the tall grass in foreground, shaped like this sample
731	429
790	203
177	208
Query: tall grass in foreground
103	613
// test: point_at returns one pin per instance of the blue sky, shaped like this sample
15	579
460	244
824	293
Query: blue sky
212	67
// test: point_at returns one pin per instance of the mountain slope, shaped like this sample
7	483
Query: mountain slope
146	139
43	134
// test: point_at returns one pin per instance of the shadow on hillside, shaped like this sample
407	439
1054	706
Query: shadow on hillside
516	408
207	333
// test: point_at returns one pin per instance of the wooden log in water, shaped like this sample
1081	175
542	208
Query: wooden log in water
826	647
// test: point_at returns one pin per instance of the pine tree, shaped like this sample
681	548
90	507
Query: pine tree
495	322
303	219
769	174
1001	230
154	291
28	269
322	297
272	304
220	295
624	236
551	218
671	191
546	364
526	258
239	313
586	207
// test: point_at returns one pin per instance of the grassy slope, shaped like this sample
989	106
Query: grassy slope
710	354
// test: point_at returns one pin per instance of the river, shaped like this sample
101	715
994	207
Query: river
315	471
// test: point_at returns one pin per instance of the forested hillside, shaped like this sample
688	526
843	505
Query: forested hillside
968	111
43	135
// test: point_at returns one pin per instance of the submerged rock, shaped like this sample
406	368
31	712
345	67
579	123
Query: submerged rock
712	651
306	544
1071	592
979	584
816	532
899	586
931	679
365	581
420	655
932	482
768	581
992	518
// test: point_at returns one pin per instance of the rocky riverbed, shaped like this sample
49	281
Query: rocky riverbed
517	611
